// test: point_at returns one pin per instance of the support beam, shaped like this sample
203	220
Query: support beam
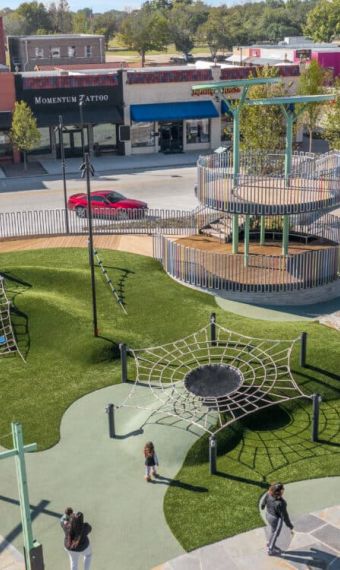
236	145
246	240
110	410
315	420
235	234
303	349
262	230
213	329
285	234
212	455
290	118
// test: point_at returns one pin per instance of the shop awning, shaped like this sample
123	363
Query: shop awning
173	111
90	116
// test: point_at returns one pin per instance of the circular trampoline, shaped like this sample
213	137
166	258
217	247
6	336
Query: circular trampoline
213	380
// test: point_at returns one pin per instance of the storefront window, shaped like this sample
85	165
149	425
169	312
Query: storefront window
142	134
44	146
105	135
88	51
198	131
5	144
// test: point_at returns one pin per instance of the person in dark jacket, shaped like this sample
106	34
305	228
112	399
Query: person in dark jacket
77	542
276	514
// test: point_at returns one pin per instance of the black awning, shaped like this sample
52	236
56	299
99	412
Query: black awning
90	116
5	120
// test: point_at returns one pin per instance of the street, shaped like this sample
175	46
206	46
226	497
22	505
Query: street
166	188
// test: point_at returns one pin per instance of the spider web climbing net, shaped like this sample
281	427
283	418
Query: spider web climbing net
8	343
211	384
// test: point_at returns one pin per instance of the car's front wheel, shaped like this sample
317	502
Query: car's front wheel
81	212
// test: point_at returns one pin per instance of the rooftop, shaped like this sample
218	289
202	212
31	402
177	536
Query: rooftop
57	37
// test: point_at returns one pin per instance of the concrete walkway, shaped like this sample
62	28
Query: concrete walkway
114	163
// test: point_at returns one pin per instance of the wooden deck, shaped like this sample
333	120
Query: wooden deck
141	245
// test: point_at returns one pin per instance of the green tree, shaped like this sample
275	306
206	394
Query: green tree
312	82
332	121
14	24
35	16
215	32
323	22
262	127
61	17
24	133
184	20
144	30
82	21
107	24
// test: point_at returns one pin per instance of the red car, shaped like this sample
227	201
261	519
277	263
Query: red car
107	203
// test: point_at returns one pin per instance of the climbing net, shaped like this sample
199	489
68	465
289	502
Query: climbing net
8	343
212	382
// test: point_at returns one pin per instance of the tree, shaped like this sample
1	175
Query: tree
323	22
144	30
35	16
61	17
332	121
312	82
106	24
82	21
184	20
215	31
24	133
262	127
14	24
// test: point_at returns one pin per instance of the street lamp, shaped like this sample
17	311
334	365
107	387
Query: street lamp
88	170
81	103
63	167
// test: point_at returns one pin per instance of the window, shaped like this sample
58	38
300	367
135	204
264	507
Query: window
198	131
88	51
115	197
55	52
71	51
39	52
97	199
5	144
104	135
143	134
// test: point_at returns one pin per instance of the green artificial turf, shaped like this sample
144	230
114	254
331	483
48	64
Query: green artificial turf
52	317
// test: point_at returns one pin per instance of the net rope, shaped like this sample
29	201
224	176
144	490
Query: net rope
8	342
263	364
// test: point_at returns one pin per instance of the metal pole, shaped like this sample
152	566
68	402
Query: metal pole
236	145
285	234
18	444
289	113
246	240
110	414
262	230
89	216
303	349
212	455
63	167
82	128
123	358
234	232
213	329
315	420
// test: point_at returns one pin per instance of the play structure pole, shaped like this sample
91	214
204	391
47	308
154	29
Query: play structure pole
315	420
213	329
285	234
303	349
212	455
262	230
63	169
87	170
110	410
290	117
235	233
123	359
32	549
246	240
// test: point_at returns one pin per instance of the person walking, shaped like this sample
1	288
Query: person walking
276	514
76	542
151	461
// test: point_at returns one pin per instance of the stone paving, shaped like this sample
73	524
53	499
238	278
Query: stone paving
315	544
10	557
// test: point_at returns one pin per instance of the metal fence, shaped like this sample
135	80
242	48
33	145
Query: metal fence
261	187
263	273
37	223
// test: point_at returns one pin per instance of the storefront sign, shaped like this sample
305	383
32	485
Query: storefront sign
80	98
212	92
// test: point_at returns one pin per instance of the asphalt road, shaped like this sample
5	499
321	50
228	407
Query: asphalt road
171	188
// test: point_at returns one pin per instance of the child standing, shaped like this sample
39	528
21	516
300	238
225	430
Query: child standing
151	461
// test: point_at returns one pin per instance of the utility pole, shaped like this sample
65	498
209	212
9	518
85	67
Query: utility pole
88	171
63	167
32	549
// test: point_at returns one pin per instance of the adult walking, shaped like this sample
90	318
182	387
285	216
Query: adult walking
76	542
276	514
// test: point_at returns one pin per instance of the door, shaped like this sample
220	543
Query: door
73	142
171	136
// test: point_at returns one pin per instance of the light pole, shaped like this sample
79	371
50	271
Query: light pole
87	171
81	103
63	167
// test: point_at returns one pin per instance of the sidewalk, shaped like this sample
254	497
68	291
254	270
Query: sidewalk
113	163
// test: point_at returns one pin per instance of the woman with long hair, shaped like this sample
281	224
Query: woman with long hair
276	514
77	542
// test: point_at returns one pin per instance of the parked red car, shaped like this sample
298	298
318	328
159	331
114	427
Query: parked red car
107	203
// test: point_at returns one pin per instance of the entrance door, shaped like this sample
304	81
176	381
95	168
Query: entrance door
171	136
72	142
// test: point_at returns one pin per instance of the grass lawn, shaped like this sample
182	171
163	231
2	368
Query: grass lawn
51	294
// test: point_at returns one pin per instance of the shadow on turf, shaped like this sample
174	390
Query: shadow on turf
120	289
161	480
260	484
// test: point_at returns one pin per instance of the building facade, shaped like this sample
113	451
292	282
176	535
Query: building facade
27	53
7	102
